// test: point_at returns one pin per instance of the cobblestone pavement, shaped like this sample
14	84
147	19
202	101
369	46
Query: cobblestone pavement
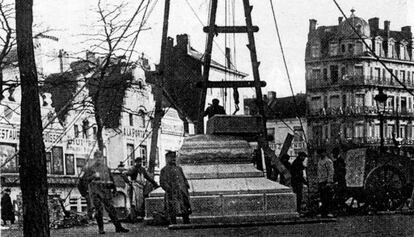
380	225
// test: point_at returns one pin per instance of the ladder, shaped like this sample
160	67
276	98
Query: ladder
213	30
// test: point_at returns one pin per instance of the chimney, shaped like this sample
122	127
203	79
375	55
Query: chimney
63	60
183	42
90	56
387	28
340	20
406	29
312	25
373	24
271	95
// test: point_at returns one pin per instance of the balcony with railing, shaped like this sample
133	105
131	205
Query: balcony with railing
315	83
359	141
360	111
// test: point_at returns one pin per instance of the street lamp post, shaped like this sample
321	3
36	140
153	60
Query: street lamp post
381	99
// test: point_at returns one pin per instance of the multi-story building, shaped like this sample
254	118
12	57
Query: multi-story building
343	77
185	67
283	117
70	140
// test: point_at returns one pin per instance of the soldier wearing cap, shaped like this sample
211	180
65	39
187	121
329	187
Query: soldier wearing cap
175	184
100	183
139	177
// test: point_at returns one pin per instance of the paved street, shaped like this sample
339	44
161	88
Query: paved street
381	225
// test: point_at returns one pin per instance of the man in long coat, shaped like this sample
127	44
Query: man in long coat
7	212
100	183
139	177
175	185
298	179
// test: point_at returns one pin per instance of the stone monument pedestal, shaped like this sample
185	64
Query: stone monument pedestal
225	187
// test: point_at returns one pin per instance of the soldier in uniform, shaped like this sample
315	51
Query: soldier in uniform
175	184
214	109
138	176
298	179
100	183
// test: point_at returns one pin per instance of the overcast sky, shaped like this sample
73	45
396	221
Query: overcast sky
70	18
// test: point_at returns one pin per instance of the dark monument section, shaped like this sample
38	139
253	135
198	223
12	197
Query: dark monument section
225	187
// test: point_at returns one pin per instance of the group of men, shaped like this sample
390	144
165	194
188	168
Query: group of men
331	180
97	186
330	177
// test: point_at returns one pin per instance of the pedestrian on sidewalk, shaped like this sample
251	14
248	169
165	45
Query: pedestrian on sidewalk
7	212
325	181
175	185
298	179
100	184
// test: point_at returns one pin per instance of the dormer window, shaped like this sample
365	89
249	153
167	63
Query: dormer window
378	47
358	48
343	48
392	53
333	49
350	48
315	50
403	50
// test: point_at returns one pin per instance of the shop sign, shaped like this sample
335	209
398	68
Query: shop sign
133	132
9	134
80	145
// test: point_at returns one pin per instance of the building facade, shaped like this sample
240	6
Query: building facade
284	117
343	77
70	140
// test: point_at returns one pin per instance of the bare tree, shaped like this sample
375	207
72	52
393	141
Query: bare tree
32	155
7	37
108	68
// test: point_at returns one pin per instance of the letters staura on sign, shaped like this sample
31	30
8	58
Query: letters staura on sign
11	135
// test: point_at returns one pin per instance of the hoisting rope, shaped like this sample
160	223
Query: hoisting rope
286	69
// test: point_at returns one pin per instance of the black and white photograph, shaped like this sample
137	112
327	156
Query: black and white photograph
206	118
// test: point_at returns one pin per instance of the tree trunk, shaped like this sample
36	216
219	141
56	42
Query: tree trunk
32	156
99	130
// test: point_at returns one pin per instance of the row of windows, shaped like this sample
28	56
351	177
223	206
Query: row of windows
337	131
334	72
397	51
351	48
393	102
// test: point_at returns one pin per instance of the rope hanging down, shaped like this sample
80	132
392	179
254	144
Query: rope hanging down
286	68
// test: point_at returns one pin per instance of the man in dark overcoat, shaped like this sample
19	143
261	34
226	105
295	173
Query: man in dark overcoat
175	185
298	178
139	177
339	177
214	109
100	187
7	212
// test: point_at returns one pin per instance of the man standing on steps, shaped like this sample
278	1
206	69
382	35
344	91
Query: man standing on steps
175	185
214	109
100	184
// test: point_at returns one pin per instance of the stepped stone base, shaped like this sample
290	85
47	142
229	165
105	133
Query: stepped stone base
224	186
